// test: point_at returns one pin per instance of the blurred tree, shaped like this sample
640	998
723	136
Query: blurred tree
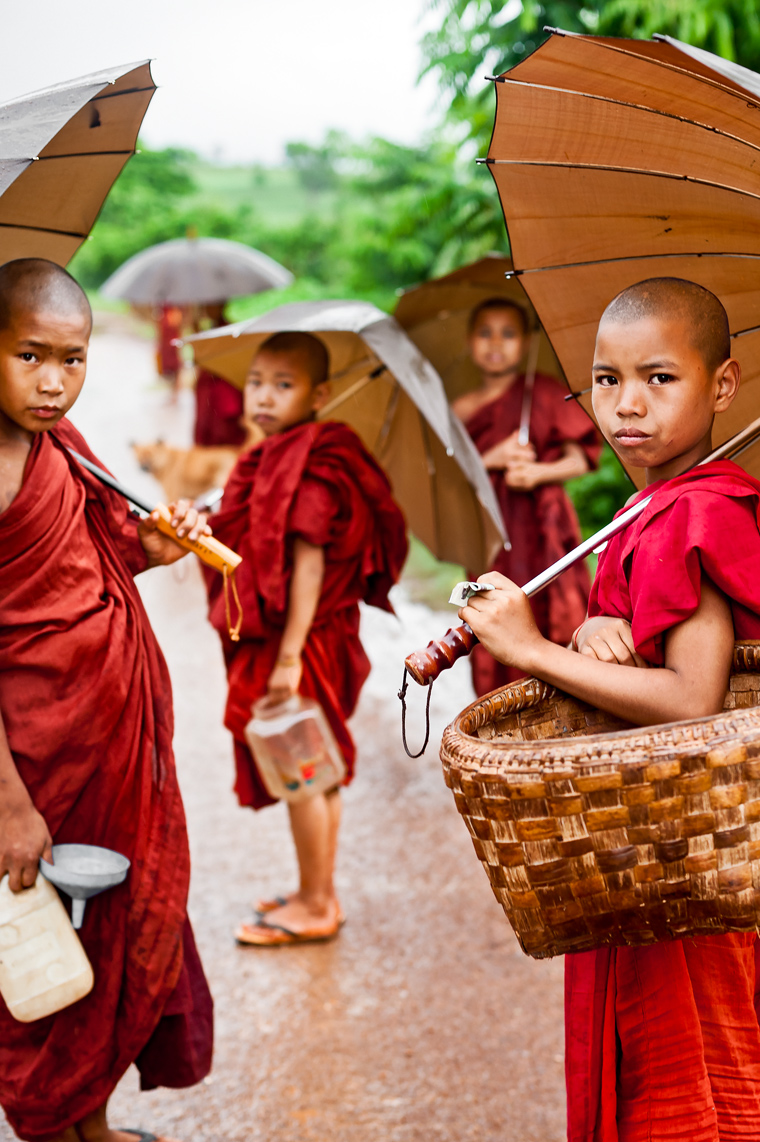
316	166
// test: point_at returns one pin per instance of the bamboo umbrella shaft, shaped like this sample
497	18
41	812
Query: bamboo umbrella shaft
439	655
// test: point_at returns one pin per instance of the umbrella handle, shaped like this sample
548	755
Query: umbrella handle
441	654
208	549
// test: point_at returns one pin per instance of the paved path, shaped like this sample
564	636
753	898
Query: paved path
423	1022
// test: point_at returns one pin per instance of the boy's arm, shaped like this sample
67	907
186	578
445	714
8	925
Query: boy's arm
303	600
24	836
692	684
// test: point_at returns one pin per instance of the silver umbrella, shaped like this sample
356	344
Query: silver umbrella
195	271
391	395
61	149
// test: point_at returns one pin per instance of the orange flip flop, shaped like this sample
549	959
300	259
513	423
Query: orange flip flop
265	935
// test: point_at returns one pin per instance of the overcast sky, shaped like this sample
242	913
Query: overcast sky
239	78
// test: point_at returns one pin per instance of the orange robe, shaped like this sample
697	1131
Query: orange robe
86	701
663	1042
541	524
315	481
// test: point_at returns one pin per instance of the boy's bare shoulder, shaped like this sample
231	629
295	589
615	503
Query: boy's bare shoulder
13	457
469	403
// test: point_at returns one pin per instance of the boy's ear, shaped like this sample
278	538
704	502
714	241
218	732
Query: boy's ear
729	378
320	396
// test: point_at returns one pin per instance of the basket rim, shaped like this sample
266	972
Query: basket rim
593	747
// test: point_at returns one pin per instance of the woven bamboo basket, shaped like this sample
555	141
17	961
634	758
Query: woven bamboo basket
595	833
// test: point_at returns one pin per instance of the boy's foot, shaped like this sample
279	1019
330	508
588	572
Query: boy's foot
292	923
261	907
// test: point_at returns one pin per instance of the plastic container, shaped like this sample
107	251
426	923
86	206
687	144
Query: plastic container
43	966
295	749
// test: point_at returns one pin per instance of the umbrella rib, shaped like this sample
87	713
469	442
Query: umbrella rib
41	230
620	170
119	94
77	155
635	107
630	258
350	392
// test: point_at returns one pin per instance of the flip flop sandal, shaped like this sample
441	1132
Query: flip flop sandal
264	906
265	935
140	1135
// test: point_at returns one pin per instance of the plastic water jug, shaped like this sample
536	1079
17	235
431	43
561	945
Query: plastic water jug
295	749
43	966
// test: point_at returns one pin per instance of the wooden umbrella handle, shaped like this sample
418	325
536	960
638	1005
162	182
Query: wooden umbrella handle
425	665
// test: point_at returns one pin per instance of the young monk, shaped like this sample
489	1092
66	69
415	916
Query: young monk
527	478
662	1042
312	515
86	736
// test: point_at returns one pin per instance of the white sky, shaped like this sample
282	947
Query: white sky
238	78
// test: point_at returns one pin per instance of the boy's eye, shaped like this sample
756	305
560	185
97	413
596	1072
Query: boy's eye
28	356
284	385
661	378
606	380
74	360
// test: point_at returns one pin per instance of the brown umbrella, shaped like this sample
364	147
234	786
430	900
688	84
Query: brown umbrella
619	160
393	398
62	149
435	316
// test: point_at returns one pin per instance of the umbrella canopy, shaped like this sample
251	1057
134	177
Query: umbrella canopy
61	150
393	398
435	315
619	160
195	271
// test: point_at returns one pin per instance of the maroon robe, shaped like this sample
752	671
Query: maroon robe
315	481
218	411
86	701
663	1042
541	524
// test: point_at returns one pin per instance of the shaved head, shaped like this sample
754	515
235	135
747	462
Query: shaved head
310	349
675	298
34	285
493	303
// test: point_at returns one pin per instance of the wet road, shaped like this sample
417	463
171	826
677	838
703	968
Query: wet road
423	1022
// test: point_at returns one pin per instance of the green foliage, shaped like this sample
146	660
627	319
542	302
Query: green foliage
597	496
477	38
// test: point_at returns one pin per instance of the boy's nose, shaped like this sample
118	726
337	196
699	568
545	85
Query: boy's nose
51	378
631	400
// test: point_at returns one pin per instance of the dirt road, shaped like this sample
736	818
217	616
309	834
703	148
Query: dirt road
423	1022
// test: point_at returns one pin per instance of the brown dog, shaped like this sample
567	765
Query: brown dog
186	472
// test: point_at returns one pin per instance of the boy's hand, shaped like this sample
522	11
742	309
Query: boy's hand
188	523
504	622
24	838
609	640
509	451
524	475
283	682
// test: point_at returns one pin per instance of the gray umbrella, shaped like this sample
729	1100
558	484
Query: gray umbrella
195	271
394	399
61	150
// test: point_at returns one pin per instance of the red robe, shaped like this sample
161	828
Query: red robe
86	701
218	409
318	482
663	1042
541	524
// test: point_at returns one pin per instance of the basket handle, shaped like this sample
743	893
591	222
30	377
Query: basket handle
510	700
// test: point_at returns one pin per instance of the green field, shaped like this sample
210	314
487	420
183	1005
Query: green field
275	194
